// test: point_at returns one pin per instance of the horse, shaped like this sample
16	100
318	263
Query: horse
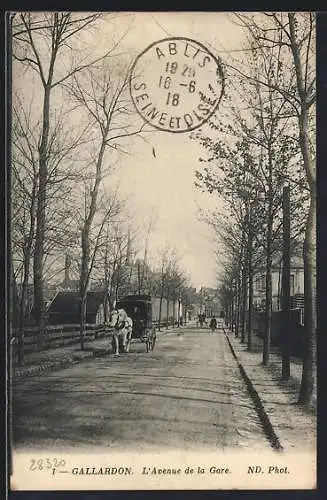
122	333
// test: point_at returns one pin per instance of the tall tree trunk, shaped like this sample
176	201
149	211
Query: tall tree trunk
310	312
139	278
167	309
174	310
26	276
250	272
117	292
286	275
83	305
244	303
23	309
268	305
250	312
106	282
14	312
40	217
15	309
238	305
84	282
309	247
85	263
239	288
106	305
309	257
160	311
179	312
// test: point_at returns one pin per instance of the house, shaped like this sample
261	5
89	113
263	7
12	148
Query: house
65	308
296	285
173	309
209	302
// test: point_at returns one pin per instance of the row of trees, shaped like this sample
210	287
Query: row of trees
163	278
262	141
72	120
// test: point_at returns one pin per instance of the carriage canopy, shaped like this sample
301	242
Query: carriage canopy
139	309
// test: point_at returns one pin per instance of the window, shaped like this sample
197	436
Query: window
292	285
261	283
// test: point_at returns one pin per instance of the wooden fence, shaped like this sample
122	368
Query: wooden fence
277	329
58	336
64	335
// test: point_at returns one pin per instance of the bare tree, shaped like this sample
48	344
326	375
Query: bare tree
144	275
294	35
101	94
92	239
40	41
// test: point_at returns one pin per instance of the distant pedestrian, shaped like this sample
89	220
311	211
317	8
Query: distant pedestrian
213	324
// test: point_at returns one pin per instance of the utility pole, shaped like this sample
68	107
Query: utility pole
286	280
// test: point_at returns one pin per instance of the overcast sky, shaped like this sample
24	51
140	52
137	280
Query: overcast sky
164	184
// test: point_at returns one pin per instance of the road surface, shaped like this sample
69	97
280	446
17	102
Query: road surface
186	394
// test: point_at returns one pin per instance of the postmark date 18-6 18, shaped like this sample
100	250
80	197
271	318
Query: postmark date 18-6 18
176	84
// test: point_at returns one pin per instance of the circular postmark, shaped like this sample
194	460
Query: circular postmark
176	84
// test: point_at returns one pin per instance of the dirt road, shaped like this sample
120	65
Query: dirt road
186	394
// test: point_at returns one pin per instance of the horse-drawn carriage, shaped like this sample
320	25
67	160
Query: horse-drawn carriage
138	309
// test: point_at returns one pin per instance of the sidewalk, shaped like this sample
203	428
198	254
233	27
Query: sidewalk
294	426
60	357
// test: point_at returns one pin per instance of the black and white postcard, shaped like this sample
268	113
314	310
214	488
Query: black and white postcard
163	242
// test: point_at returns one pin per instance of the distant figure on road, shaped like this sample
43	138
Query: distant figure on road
200	318
213	324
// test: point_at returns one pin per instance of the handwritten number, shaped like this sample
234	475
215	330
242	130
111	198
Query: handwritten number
46	464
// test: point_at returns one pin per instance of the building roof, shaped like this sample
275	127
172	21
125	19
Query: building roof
133	298
68	302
